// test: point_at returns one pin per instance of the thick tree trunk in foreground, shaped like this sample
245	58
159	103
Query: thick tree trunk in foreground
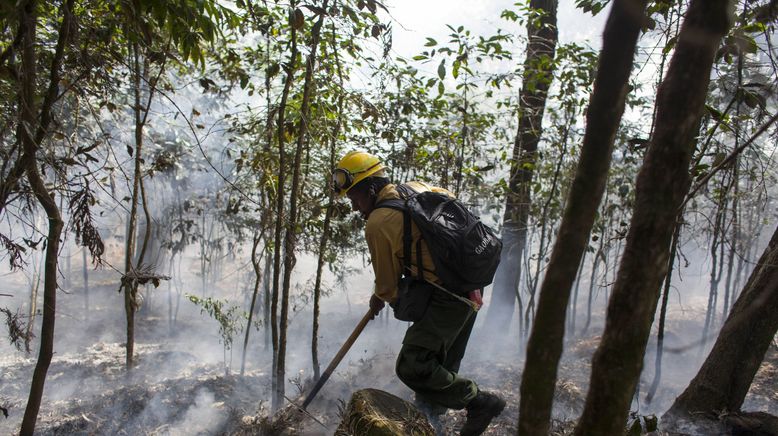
661	187
603	117
532	104
723	381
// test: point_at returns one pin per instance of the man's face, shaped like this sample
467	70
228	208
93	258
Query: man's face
361	202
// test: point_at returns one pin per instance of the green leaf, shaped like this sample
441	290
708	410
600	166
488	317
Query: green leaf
754	28
670	44
442	69
430	42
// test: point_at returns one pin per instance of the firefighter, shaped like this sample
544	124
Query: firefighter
433	346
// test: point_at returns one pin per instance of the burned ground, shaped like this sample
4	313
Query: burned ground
181	384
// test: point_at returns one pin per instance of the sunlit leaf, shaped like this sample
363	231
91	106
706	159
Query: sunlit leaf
670	45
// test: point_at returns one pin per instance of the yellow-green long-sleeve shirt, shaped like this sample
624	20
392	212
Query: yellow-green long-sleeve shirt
384	235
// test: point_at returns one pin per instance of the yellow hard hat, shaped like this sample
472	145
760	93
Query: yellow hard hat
354	167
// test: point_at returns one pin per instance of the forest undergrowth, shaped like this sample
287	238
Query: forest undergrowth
175	389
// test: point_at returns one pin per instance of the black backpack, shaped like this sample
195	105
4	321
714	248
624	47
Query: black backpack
465	251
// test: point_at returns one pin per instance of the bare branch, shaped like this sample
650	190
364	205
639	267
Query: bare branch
724	163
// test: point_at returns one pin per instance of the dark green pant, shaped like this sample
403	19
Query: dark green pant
433	349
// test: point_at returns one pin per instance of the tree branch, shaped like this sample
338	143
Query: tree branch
729	159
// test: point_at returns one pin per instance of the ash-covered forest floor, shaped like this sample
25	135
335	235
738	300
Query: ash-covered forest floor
181	384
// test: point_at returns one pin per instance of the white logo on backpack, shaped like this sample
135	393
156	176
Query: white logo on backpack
482	246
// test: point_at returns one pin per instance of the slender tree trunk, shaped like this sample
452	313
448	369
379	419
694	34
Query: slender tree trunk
574	303
327	220
68	265
171	262
28	21
735	235
545	237
256	265
129	284
716	245
290	236
85	275
49	296
660	336
203	255
598	256
280	194
723	381
662	184
35	282
537	77
319	270
603	116
267	297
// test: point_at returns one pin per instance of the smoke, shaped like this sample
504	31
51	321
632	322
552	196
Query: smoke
184	376
205	416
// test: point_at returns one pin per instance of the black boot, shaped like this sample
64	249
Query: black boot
480	412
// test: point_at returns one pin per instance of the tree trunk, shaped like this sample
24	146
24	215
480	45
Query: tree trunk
716	248
661	186
603	116
290	236
598	256
723	381
280	193
537	79
266	307
35	282
85	274
256	265
660	336
573	307
327	221
129	285
27	121
545	239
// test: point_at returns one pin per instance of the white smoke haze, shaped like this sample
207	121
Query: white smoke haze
204	417
185	383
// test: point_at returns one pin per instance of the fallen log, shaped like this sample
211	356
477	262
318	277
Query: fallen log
723	423
372	412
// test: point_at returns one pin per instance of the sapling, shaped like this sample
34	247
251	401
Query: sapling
230	319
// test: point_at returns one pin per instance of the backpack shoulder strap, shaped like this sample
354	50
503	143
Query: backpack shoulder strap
399	204
392	203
